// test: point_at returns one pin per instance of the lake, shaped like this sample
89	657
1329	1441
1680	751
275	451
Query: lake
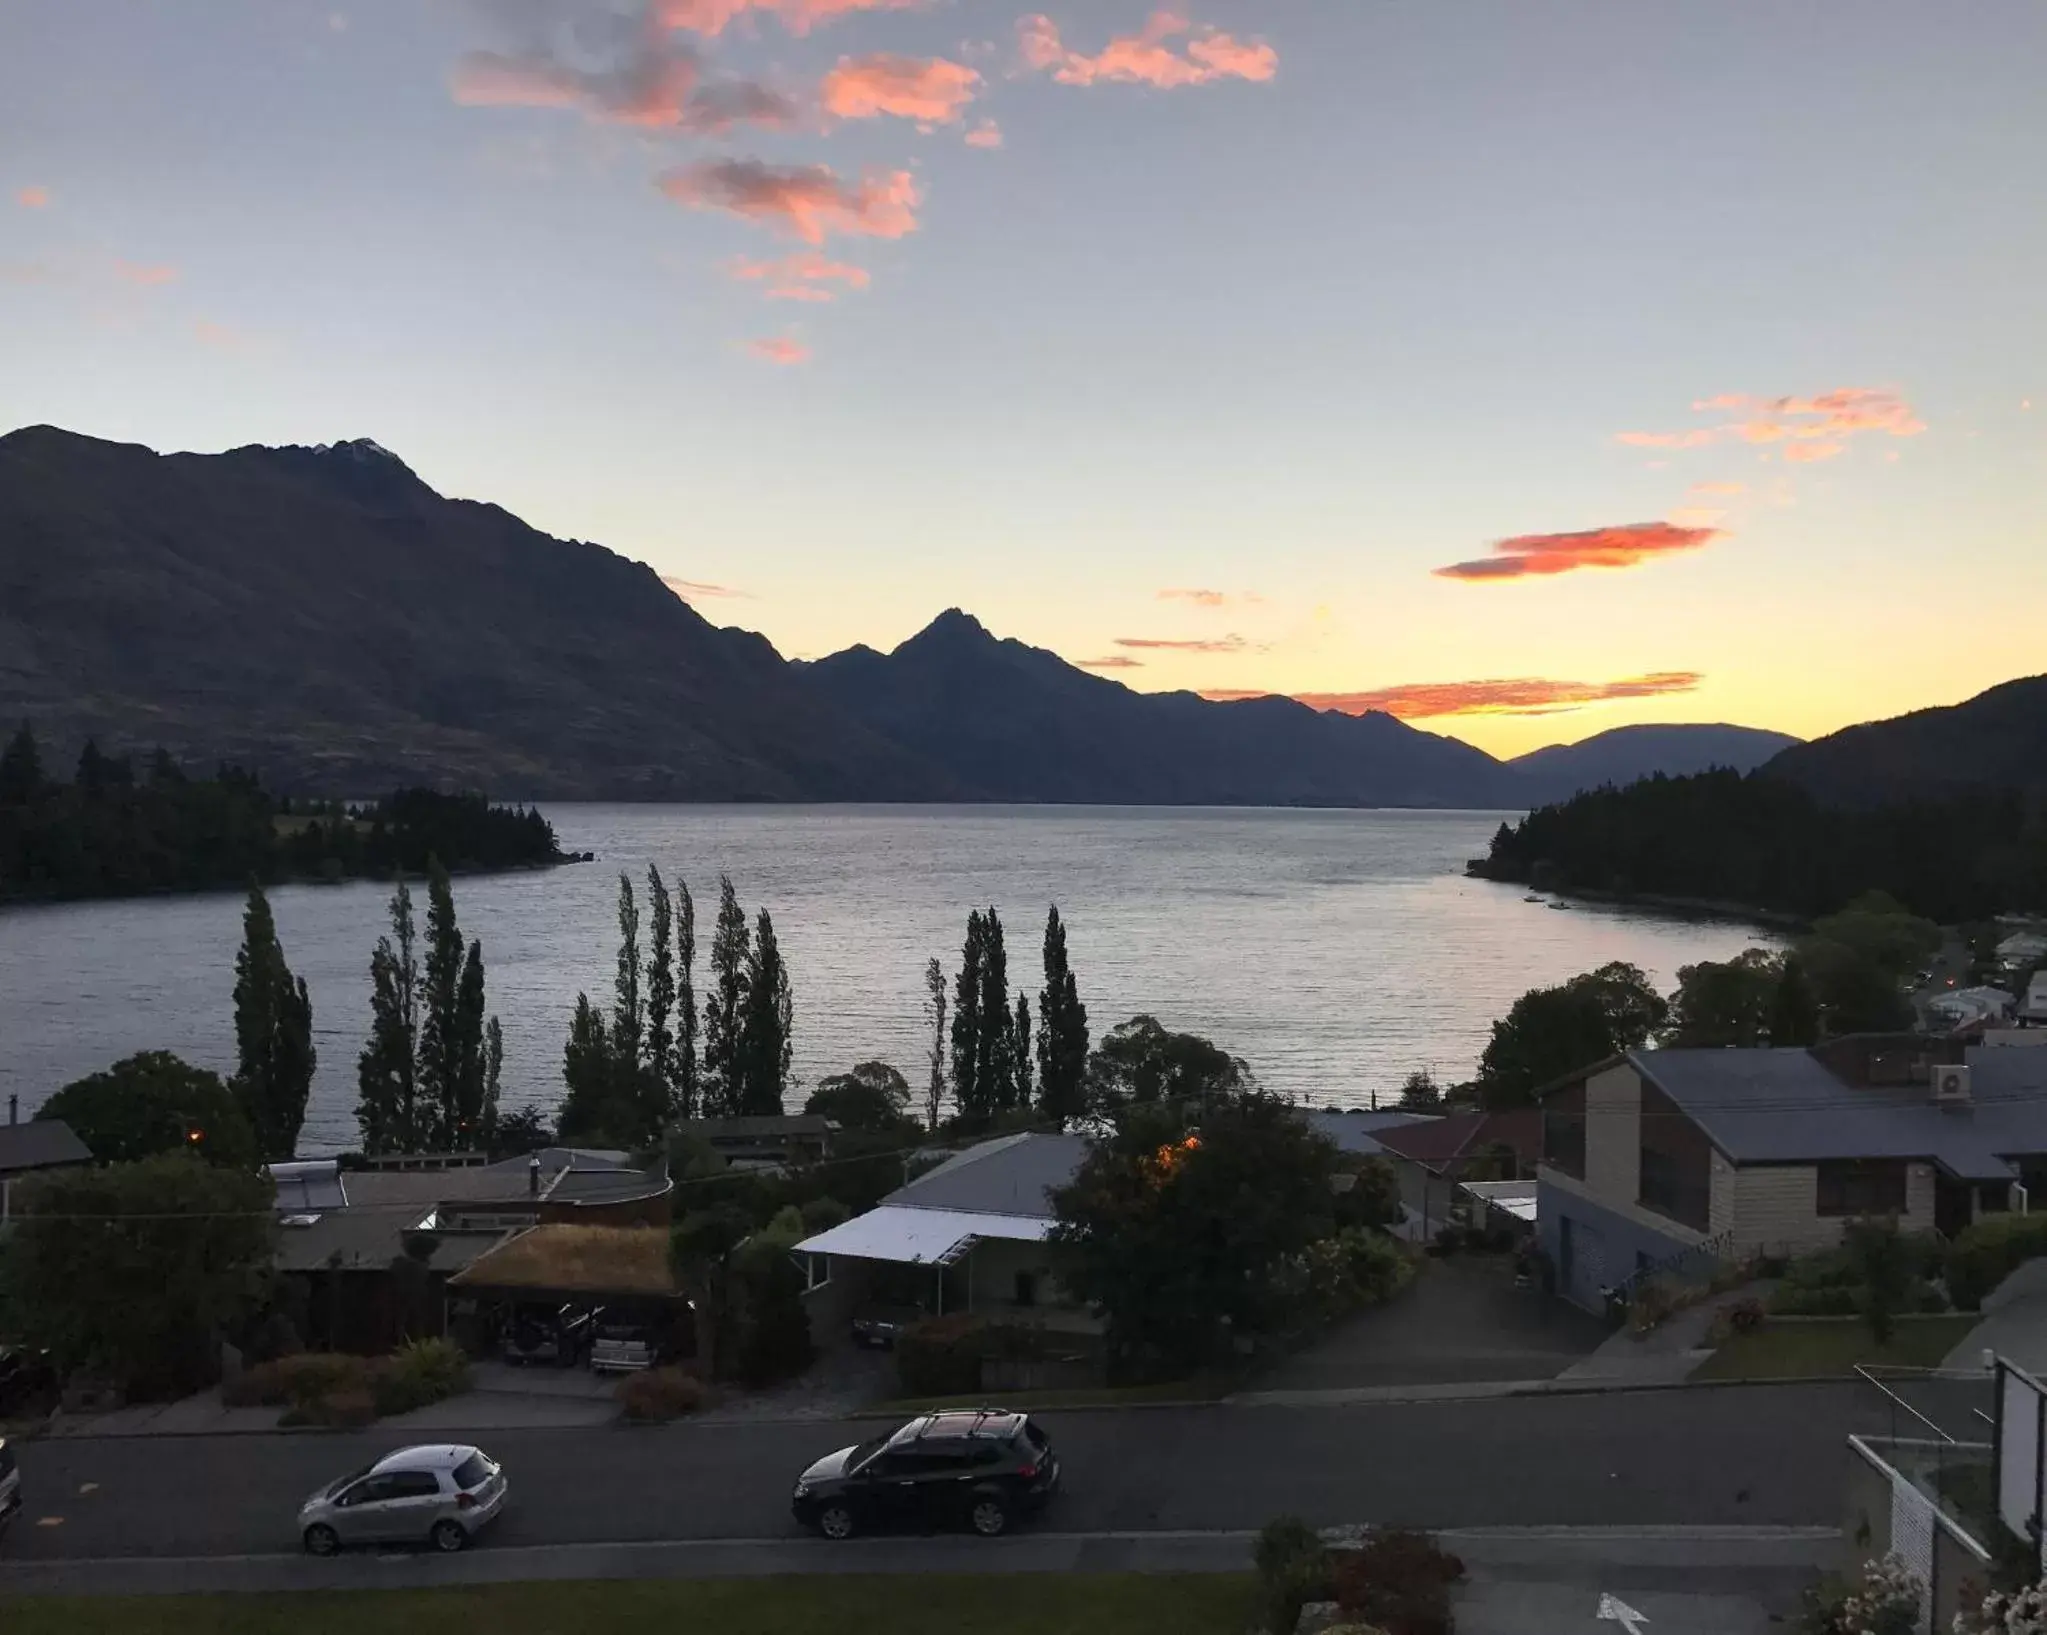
1333	951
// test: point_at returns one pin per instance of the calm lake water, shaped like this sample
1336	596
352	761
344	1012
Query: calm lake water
1334	951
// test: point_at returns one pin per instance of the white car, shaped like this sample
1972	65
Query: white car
443	1494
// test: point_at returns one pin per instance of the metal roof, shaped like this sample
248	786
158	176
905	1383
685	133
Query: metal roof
41	1143
1783	1106
1011	1175
921	1237
1353	1132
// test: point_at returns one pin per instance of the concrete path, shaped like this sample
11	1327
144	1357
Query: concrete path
2014	1324
1462	1322
1667	1354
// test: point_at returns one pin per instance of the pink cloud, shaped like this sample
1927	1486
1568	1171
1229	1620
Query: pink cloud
805	276
1147	57
1809	428
130	272
1115	661
987	134
809	202
930	89
33	198
1218	644
692	590
1211	598
1539	555
785	350
1524	695
712	17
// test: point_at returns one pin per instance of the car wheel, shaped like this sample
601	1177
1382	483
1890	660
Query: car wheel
835	1521
321	1540
449	1536
990	1517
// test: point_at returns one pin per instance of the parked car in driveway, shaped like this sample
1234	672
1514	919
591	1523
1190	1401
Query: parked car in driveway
557	1337
443	1495
980	1470
881	1326
10	1486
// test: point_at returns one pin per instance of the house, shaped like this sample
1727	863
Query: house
2022	948
1435	1156
1961	1007
32	1148
348	1240
2034	1010
766	1141
969	1235
1355	1131
1663	1157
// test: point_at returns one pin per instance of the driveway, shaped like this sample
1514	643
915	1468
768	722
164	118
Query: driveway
1462	1322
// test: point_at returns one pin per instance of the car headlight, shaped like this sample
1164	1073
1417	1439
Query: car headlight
802	1490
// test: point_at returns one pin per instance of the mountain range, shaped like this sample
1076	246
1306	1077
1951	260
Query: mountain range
325	617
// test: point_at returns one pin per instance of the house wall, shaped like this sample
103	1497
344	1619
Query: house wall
1607	1242
1776	1206
992	1272
1613	1134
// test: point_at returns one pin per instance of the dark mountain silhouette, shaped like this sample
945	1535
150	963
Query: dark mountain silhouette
1996	740
1016	723
1622	755
323	616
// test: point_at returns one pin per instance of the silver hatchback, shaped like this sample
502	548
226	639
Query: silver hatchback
443	1494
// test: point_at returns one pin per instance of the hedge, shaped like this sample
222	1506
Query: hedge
1985	1254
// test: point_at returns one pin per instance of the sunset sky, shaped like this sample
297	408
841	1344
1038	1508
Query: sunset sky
1576	363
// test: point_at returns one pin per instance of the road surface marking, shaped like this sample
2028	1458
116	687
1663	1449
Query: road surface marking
1615	1610
49	1521
87	1487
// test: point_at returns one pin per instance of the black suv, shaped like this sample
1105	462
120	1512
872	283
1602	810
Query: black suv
978	1470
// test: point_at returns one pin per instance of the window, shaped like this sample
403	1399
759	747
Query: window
472	1472
412	1484
1859	1186
370	1490
1563	1141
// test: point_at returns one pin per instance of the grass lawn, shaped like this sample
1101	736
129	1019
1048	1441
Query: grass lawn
1806	1350
996	1604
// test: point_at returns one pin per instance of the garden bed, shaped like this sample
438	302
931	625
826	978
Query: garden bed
1790	1348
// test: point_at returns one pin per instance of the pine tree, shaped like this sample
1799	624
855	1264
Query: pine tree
273	1035
1020	1055
934	1008
493	1075
660	1046
21	768
466	1127
994	1073
440	1019
629	1009
766	1016
1062	1030
590	1109
93	773
970	1097
387	1072
683	1071
724	1006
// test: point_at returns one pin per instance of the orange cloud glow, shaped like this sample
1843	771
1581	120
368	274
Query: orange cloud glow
1147	57
1219	644
804	276
655	88
930	89
710	17
784	350
809	202
130	272
692	590
33	198
987	134
1526	695
1115	661
1809	428
1211	598
1539	555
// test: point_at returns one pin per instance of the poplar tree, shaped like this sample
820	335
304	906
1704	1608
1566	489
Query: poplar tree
465	1123
273	1036
1062	1030
441	1029
969	1096
766	1017
589	1111
934	1008
1020	1055
387	1071
995	1072
725	1005
660	1042
683	1072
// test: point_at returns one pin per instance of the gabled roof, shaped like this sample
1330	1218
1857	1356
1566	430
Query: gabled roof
1011	1175
1442	1143
1358	1132
41	1143
920	1237
1783	1106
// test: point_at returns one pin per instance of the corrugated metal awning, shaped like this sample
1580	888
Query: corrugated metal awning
920	1237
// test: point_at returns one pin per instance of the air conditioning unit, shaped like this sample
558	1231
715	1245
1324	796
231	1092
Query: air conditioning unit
1951	1086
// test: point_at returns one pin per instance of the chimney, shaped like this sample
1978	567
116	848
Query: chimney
14	1109
533	1176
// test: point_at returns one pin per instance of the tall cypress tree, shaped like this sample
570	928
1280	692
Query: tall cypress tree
660	1045
934	1008
970	1097
629	1009
1062	1030
766	1018
1020	1055
493	1074
387	1071
995	1073
466	1125
21	768
683	1073
724	1006
273	1035
440	1017
590	1110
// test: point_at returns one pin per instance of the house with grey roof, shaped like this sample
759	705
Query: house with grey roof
1660	1156
40	1145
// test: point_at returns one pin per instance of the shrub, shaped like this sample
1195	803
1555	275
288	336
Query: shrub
659	1395
940	1357
774	1328
1745	1316
1283	1541
303	1377
1983	1255
420	1372
1400	1581
1837	1301
345	1408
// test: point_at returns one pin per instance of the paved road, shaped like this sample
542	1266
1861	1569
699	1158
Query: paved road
1738	1455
